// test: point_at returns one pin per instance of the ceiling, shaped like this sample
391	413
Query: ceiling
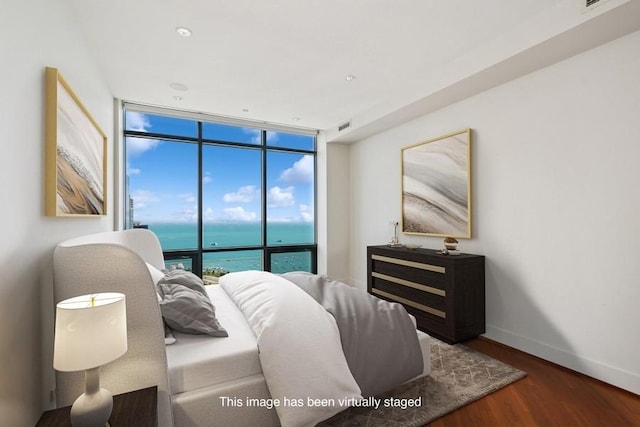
287	61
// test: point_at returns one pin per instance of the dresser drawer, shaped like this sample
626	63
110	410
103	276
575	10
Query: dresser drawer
422	273
428	302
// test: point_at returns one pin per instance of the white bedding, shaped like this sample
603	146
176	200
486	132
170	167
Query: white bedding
203	368
197	361
296	364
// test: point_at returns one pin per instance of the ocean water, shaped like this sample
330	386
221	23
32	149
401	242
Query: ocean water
226	235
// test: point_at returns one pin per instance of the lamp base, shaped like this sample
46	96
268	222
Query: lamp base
92	410
93	407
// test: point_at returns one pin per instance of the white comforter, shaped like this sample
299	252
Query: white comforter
299	344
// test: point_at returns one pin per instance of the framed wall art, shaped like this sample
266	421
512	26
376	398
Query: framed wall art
75	154
436	186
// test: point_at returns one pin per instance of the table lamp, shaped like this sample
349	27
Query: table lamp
90	331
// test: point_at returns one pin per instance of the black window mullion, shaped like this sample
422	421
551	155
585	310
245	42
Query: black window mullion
289	150
266	257
200	201
160	136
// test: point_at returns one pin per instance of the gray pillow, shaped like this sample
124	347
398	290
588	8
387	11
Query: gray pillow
184	278
188	311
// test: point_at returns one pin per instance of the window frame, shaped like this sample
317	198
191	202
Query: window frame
197	254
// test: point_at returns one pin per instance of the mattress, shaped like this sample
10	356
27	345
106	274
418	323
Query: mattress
197	361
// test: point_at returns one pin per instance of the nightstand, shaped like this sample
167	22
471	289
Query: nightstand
135	408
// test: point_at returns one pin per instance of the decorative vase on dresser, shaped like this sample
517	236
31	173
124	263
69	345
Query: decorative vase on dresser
445	293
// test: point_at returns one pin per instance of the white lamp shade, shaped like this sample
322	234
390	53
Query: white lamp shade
91	330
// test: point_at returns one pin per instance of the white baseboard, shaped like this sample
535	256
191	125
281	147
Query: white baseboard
615	376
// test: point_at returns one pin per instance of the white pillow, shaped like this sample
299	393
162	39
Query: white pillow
156	274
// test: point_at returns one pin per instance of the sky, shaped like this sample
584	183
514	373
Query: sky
163	175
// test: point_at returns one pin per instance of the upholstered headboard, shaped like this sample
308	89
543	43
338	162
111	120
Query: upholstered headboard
115	262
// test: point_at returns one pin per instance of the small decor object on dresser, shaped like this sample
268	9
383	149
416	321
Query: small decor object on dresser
450	247
450	243
444	293
395	240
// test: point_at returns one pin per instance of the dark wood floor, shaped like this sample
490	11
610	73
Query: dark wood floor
549	396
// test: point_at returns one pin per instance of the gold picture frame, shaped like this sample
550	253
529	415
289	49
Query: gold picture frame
436	186
75	154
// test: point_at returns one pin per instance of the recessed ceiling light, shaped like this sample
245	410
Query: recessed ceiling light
350	77
183	32
245	110
178	98
178	86
295	119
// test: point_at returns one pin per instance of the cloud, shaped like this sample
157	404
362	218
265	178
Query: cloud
187	197
136	146
188	214
206	179
244	194
280	197
306	212
142	198
301	171
133	171
137	121
272	136
208	214
254	133
280	219
239	214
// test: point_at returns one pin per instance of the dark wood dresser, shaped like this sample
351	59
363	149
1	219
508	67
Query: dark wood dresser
444	292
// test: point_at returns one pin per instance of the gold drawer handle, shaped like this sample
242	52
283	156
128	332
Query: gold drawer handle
405	301
420	265
403	282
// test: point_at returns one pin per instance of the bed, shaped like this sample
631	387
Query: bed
203	380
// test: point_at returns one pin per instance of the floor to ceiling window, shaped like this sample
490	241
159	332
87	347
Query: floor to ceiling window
221	197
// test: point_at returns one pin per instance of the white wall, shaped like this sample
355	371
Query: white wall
35	34
555	206
338	217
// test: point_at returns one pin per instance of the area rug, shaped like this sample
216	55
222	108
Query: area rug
459	375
